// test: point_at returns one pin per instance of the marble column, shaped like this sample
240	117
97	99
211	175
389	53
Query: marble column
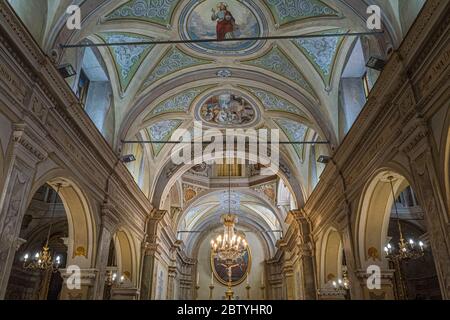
150	250
23	155
355	290
148	268
108	228
306	255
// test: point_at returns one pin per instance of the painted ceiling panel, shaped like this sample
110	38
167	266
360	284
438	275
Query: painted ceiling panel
286	11
127	58
272	102
276	61
295	131
174	60
159	12
178	103
162	131
321	52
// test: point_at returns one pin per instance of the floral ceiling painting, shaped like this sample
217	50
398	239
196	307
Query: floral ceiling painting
225	109
275	60
158	12
295	132
127	58
321	51
211	19
178	103
287	11
161	132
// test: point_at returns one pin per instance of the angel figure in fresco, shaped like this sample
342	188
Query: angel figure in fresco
226	24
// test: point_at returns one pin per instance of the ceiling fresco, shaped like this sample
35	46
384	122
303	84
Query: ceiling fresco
288	11
273	102
288	84
277	61
321	51
233	19
158	12
295	131
174	60
180	102
226	109
127	58
162	131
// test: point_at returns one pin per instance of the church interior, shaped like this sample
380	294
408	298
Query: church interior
94	92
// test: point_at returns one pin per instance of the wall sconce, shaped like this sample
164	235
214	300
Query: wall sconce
128	158
375	63
67	70
323	159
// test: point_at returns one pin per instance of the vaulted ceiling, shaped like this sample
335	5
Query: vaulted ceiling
289	84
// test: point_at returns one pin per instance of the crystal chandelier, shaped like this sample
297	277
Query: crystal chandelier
43	259
344	283
230	246
407	250
111	278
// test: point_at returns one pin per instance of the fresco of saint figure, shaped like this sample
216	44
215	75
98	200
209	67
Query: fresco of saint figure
235	19
226	24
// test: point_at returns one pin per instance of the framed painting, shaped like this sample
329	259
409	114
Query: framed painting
239	271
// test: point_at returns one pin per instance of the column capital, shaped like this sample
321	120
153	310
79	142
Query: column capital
150	248
156	215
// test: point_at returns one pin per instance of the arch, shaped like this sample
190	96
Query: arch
170	172
2	164
206	216
374	214
135	117
249	192
126	255
331	256
80	215
446	157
